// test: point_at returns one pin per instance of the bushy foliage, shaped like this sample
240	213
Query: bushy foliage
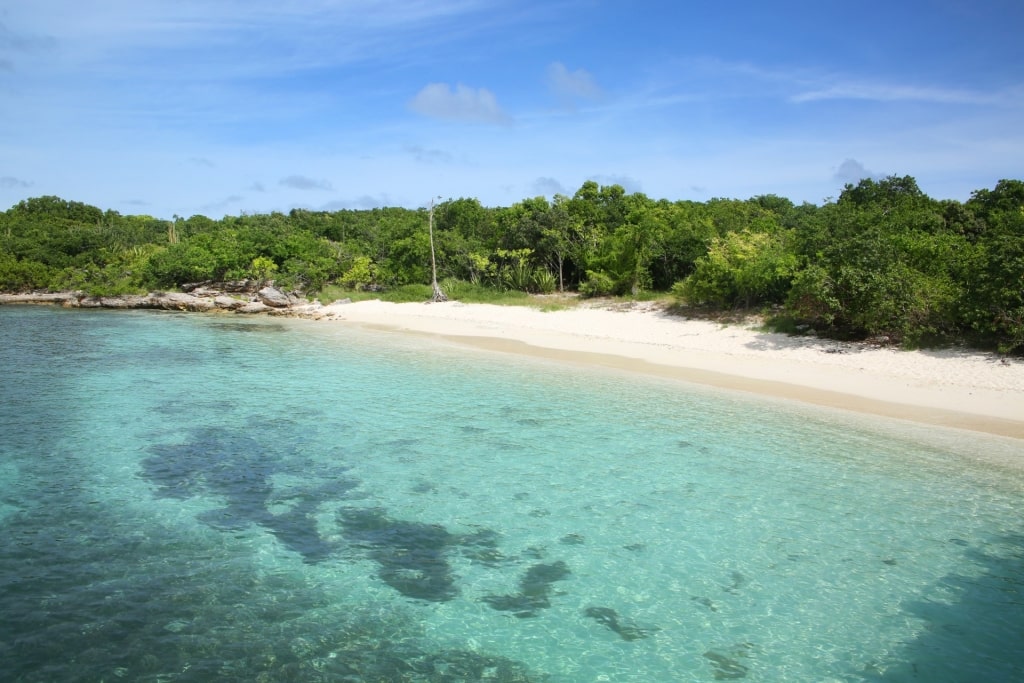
742	269
597	284
882	259
361	273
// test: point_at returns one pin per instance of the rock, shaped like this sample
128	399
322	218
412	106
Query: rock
204	297
212	286
176	301
253	307
39	298
227	303
238	286
273	297
125	301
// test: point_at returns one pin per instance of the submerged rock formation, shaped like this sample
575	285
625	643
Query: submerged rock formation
534	590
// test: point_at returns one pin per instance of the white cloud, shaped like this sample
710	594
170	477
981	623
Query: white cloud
439	100
572	84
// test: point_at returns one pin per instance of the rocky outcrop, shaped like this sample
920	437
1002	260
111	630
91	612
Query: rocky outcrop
274	297
202	298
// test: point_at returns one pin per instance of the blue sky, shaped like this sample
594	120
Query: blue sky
219	107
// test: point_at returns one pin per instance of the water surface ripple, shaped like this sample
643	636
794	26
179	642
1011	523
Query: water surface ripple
194	498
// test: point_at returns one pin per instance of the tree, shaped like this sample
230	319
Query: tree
742	268
438	295
880	263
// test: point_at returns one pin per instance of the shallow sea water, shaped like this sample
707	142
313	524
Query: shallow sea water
193	498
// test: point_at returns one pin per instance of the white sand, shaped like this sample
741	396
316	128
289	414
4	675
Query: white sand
962	389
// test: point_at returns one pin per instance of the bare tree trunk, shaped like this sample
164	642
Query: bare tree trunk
438	295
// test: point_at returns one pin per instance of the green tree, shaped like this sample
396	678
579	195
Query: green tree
742	269
880	262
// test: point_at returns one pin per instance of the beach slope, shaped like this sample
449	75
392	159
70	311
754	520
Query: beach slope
954	388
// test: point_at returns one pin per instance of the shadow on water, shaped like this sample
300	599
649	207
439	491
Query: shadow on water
980	636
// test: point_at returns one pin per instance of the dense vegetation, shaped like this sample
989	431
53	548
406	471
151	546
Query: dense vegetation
883	259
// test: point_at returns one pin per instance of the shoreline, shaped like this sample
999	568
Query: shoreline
959	389
955	388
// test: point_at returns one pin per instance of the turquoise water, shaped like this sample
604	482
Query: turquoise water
193	498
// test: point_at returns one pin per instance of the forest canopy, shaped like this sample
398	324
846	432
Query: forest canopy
883	259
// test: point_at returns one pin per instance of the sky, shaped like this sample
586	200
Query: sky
224	107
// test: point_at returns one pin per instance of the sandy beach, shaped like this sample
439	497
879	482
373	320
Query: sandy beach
961	389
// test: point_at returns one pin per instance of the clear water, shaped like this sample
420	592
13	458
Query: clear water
193	498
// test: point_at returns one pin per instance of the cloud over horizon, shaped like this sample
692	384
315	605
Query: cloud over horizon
852	171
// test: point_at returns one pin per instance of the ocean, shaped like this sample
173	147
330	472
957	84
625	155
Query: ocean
189	497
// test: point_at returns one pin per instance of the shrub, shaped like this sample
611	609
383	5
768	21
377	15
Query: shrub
543	281
597	284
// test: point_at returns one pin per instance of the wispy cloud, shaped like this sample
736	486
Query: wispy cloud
301	182
218	36
463	103
884	92
809	84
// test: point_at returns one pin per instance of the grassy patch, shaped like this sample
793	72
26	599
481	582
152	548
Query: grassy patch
398	295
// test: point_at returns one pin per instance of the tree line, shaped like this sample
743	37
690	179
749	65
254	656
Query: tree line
883	259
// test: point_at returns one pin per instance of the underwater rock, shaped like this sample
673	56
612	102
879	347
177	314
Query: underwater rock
609	618
726	663
738	581
571	539
410	555
238	468
705	601
534	589
482	547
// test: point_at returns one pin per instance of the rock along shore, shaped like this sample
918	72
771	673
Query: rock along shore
266	300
